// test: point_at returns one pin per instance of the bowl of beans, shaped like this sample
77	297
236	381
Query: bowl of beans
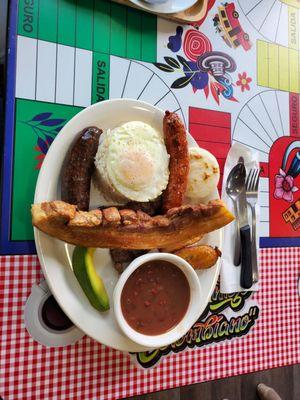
157	299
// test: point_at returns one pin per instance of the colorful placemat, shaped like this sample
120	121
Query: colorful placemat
235	78
231	77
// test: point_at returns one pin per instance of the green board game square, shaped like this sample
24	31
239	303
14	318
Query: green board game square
134	34
99	25
118	30
102	26
47	26
28	18
149	33
36	125
100	83
84	24
66	23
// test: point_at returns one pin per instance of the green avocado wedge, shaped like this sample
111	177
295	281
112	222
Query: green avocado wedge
89	280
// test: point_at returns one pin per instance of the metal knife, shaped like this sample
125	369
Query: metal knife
245	233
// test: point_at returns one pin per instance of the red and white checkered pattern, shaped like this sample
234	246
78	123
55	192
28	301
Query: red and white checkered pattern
88	370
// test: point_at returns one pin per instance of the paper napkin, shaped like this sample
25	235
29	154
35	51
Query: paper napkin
230	274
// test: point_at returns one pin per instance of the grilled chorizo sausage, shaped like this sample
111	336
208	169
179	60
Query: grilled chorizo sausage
179	165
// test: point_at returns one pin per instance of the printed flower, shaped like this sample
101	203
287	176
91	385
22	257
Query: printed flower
174	43
284	186
46	129
40	157
244	81
42	147
195	43
200	79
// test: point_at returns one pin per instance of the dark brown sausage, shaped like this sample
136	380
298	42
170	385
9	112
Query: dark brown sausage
152	207
121	258
78	168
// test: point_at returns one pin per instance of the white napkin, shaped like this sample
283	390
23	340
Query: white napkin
230	274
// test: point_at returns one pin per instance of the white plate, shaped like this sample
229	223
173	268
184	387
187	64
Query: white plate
55	255
169	7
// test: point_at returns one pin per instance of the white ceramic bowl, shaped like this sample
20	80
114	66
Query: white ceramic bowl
190	317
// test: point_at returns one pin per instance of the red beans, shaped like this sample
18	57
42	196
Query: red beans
158	294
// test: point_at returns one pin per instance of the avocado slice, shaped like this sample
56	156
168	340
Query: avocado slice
90	282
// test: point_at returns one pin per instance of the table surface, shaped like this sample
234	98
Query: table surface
284	380
232	77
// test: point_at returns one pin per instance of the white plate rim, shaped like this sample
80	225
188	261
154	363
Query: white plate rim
38	236
164	8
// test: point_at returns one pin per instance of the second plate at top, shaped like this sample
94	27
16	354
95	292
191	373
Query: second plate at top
168	7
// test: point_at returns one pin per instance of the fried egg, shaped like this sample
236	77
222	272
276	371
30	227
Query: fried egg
132	163
204	174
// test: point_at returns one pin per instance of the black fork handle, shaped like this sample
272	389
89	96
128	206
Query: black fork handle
246	259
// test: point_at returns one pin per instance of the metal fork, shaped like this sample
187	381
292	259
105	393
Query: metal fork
252	181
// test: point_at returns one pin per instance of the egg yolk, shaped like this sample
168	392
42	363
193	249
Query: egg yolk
135	169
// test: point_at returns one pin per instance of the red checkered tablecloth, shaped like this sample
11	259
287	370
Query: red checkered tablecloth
89	370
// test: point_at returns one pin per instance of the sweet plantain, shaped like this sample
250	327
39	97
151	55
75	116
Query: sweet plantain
200	257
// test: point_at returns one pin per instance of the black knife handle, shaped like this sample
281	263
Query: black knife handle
246	261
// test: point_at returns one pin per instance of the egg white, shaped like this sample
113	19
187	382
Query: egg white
133	161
